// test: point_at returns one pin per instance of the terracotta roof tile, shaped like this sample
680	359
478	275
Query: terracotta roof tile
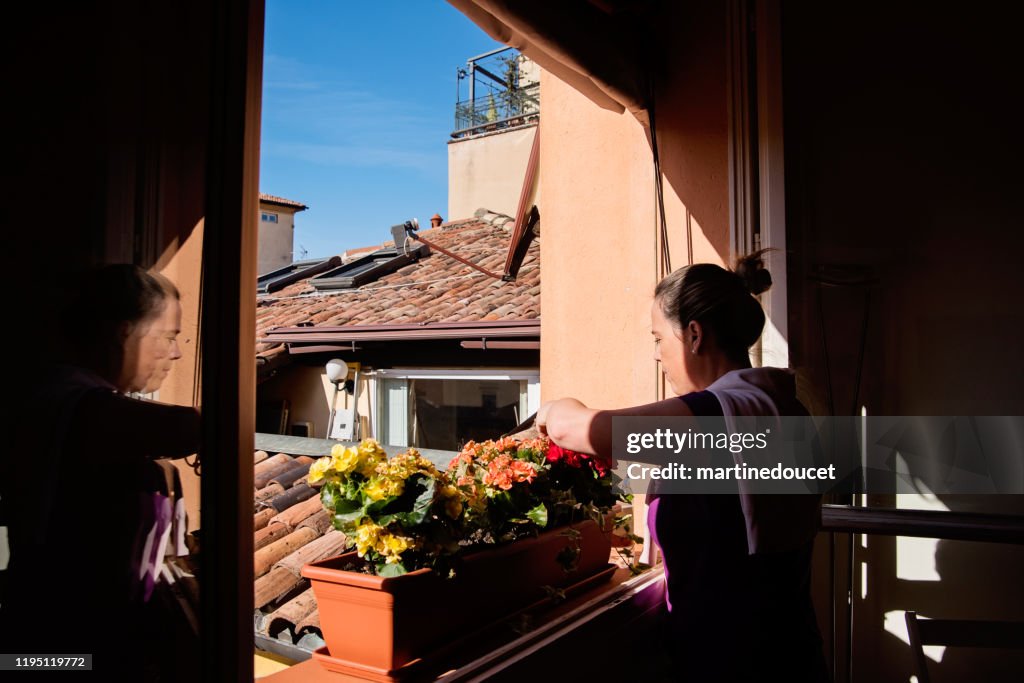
271	199
284	540
437	288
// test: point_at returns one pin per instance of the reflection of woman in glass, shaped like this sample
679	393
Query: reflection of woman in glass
76	485
737	567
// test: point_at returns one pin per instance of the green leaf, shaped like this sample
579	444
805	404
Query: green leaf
399	517
347	513
329	495
349	489
539	515
424	501
374	506
386	570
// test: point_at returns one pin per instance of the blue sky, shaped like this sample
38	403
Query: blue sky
358	105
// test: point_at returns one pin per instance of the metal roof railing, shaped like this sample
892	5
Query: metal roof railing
503	92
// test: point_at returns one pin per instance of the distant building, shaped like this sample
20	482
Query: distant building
276	232
496	119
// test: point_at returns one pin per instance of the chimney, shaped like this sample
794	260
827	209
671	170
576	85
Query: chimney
436	220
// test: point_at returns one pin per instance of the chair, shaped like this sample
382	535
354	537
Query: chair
959	633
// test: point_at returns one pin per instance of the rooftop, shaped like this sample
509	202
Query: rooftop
434	289
281	201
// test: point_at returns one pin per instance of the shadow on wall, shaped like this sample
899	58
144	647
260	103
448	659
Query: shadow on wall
692	128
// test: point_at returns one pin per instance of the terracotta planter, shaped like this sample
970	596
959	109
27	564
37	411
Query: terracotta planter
374	626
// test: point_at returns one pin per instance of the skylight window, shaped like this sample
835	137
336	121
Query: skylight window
368	268
282	277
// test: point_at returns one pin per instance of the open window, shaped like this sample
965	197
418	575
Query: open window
442	409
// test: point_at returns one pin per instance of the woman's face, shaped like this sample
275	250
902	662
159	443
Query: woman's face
150	349
670	350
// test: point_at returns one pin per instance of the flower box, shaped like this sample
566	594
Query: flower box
374	626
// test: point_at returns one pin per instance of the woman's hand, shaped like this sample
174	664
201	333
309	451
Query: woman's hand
541	421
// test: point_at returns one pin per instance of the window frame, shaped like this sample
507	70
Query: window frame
378	396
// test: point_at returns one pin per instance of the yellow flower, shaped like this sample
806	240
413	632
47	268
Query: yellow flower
394	487
453	506
392	547
376	489
318	469
370	456
370	447
367	536
344	460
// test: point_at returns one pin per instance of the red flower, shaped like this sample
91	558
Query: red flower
601	465
573	459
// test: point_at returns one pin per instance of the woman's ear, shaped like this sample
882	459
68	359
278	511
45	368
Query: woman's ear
695	335
124	330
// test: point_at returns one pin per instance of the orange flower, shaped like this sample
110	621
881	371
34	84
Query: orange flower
522	470
506	443
504	471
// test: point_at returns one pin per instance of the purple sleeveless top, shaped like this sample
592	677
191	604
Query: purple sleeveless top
721	599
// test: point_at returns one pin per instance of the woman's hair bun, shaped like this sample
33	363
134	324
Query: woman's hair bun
751	270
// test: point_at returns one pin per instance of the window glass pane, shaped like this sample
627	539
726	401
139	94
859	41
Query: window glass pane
449	413
395	412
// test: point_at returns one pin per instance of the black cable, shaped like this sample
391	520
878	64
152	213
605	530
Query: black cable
196	465
659	190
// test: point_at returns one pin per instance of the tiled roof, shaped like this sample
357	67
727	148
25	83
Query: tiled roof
281	201
290	530
437	288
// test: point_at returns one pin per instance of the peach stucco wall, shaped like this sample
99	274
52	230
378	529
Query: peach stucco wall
598	251
487	172
600	243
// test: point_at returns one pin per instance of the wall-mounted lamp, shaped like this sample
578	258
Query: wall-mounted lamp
337	372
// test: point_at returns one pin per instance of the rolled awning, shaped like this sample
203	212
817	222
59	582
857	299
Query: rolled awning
589	44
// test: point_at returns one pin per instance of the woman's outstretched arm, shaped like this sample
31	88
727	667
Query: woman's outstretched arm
572	425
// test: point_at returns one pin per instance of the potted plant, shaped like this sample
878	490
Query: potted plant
506	519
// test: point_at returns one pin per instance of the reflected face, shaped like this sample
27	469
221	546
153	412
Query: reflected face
150	350
670	350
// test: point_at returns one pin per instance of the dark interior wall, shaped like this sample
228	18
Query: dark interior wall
107	140
902	128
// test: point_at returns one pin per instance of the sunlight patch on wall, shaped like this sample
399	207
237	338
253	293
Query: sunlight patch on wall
896	625
915	557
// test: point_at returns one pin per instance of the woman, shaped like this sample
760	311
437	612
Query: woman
737	566
77	484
